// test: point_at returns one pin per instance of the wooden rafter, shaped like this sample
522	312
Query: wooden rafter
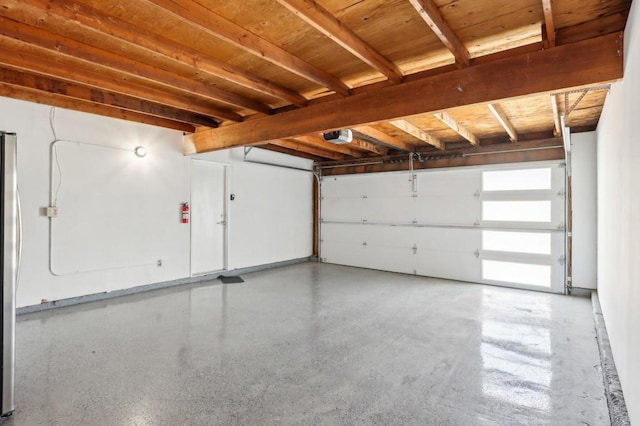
21	79
504	121
91	19
73	72
383	138
319	142
429	11
276	148
323	21
194	14
369	146
418	133
587	62
298	146
54	99
64	46
549	24
549	149
557	127
457	127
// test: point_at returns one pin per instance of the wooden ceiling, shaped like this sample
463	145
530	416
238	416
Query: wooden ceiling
428	76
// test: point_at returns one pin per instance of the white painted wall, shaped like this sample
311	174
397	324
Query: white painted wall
619	217
118	253
584	183
271	218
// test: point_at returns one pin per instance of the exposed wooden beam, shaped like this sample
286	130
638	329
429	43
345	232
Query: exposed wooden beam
417	133
53	99
429	11
319	142
288	151
587	62
549	24
383	138
91	19
93	55
504	121
298	146
194	14
590	29
457	127
543	150
369	146
557	126
21	79
323	21
70	71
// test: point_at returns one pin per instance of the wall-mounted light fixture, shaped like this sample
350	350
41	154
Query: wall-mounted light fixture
140	151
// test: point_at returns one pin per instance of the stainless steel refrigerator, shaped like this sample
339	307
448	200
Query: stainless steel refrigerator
10	258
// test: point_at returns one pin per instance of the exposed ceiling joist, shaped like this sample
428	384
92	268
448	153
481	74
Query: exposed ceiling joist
20	79
319	142
541	150
504	121
54	99
429	11
298	146
323	21
110	26
216	25
368	146
383	138
549	24
74	72
418	133
588	62
557	126
457	127
64	46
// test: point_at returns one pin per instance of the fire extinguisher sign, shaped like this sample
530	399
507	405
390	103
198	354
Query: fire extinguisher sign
185	213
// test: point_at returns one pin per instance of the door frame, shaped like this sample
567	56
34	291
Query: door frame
226	207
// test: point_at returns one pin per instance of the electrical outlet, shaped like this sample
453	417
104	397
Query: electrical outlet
52	211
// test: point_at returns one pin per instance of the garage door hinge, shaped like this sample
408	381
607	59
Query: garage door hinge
477	194
562	193
476	223
364	244
561	227
477	253
415	221
364	220
415	249
364	196
561	259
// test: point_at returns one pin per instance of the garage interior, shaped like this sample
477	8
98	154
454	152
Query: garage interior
432	206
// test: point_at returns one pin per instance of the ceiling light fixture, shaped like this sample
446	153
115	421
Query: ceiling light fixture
140	151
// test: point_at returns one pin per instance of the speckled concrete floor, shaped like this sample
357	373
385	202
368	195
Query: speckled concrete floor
313	344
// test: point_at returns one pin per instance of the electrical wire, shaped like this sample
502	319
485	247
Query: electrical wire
54	152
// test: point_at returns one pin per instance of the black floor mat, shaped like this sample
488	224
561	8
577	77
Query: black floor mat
231	280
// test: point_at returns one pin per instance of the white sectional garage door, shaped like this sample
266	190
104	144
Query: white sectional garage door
498	225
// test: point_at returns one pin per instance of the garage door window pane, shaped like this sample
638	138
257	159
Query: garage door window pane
517	211
519	273
518	242
516	180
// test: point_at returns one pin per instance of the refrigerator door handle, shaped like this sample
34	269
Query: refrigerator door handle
19	242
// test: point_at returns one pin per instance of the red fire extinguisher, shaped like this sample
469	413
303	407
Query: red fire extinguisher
185	212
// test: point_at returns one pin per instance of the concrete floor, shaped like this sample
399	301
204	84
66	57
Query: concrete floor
313	344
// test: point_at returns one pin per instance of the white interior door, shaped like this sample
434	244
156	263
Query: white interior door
208	217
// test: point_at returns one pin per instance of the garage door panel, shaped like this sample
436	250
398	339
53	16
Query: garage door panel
434	224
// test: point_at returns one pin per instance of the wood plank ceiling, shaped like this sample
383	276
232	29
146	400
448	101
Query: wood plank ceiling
427	76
